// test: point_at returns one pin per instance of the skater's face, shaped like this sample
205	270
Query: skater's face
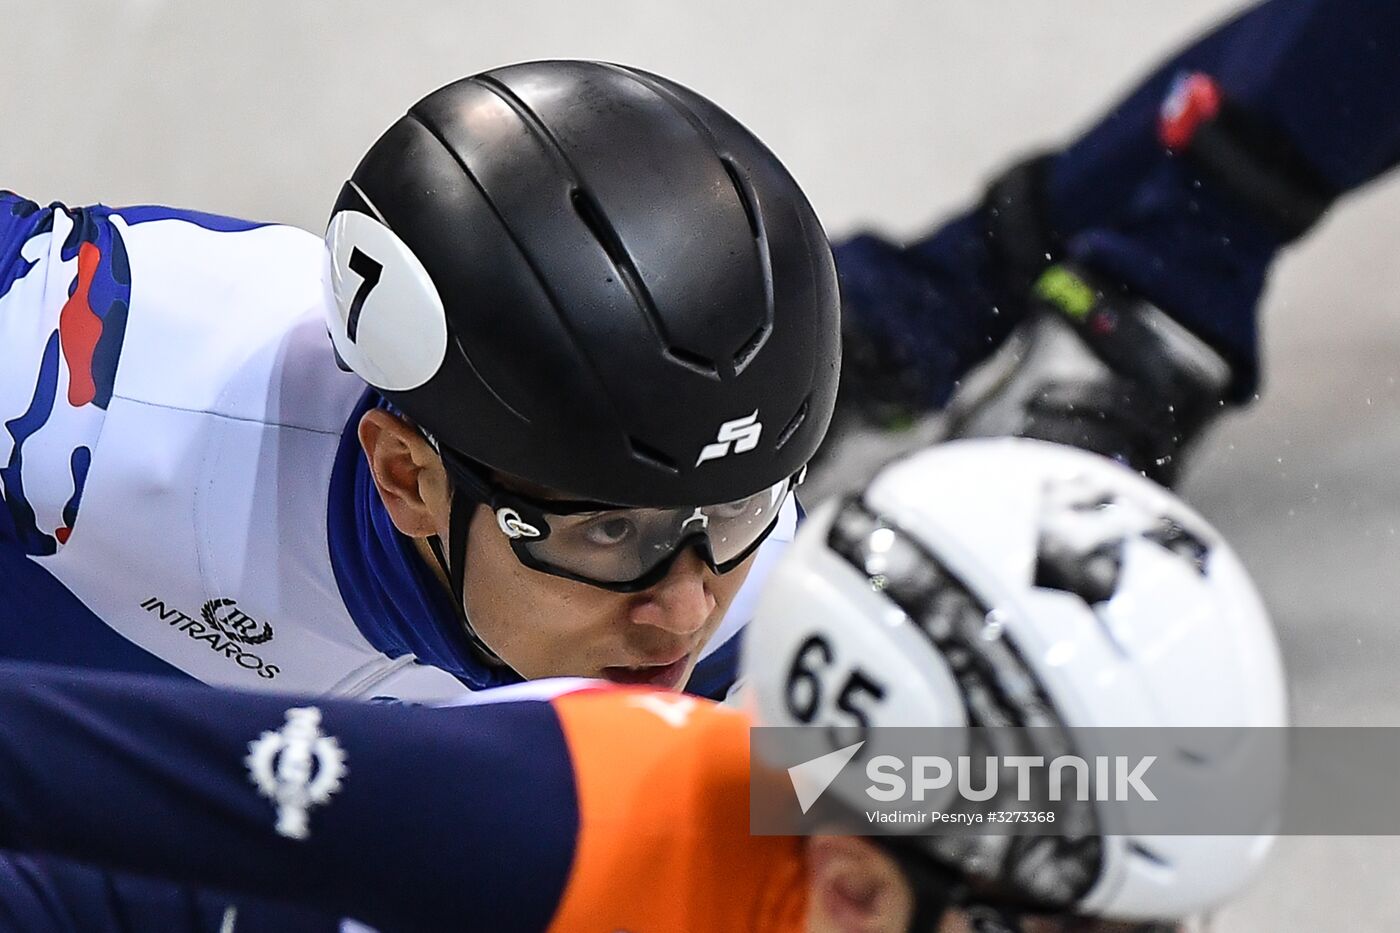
541	624
547	626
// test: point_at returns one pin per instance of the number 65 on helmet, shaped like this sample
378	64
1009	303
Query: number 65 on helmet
1015	582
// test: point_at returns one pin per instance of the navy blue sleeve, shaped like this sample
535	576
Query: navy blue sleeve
402	817
45	895
1320	72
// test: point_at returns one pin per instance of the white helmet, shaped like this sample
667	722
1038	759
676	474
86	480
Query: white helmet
1088	596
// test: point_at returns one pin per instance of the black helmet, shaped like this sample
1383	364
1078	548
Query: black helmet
594	279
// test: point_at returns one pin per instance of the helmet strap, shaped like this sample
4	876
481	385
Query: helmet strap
453	561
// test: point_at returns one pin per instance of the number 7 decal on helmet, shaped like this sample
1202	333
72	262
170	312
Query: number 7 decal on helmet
368	270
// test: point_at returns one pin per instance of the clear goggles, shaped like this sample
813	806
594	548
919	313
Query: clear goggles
621	549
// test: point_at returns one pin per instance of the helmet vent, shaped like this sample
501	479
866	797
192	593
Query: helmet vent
750	349
744	193
693	361
791	427
750	211
592	216
652	457
597	223
603	232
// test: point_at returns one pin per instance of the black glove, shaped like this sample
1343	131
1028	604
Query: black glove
1095	367
917	317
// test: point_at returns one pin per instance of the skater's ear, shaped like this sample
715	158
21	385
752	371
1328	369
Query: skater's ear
855	887
407	472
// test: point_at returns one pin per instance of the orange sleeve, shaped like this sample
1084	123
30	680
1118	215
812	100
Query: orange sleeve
664	844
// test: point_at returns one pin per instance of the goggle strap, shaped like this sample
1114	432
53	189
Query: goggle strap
435	545
453	561
459	519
